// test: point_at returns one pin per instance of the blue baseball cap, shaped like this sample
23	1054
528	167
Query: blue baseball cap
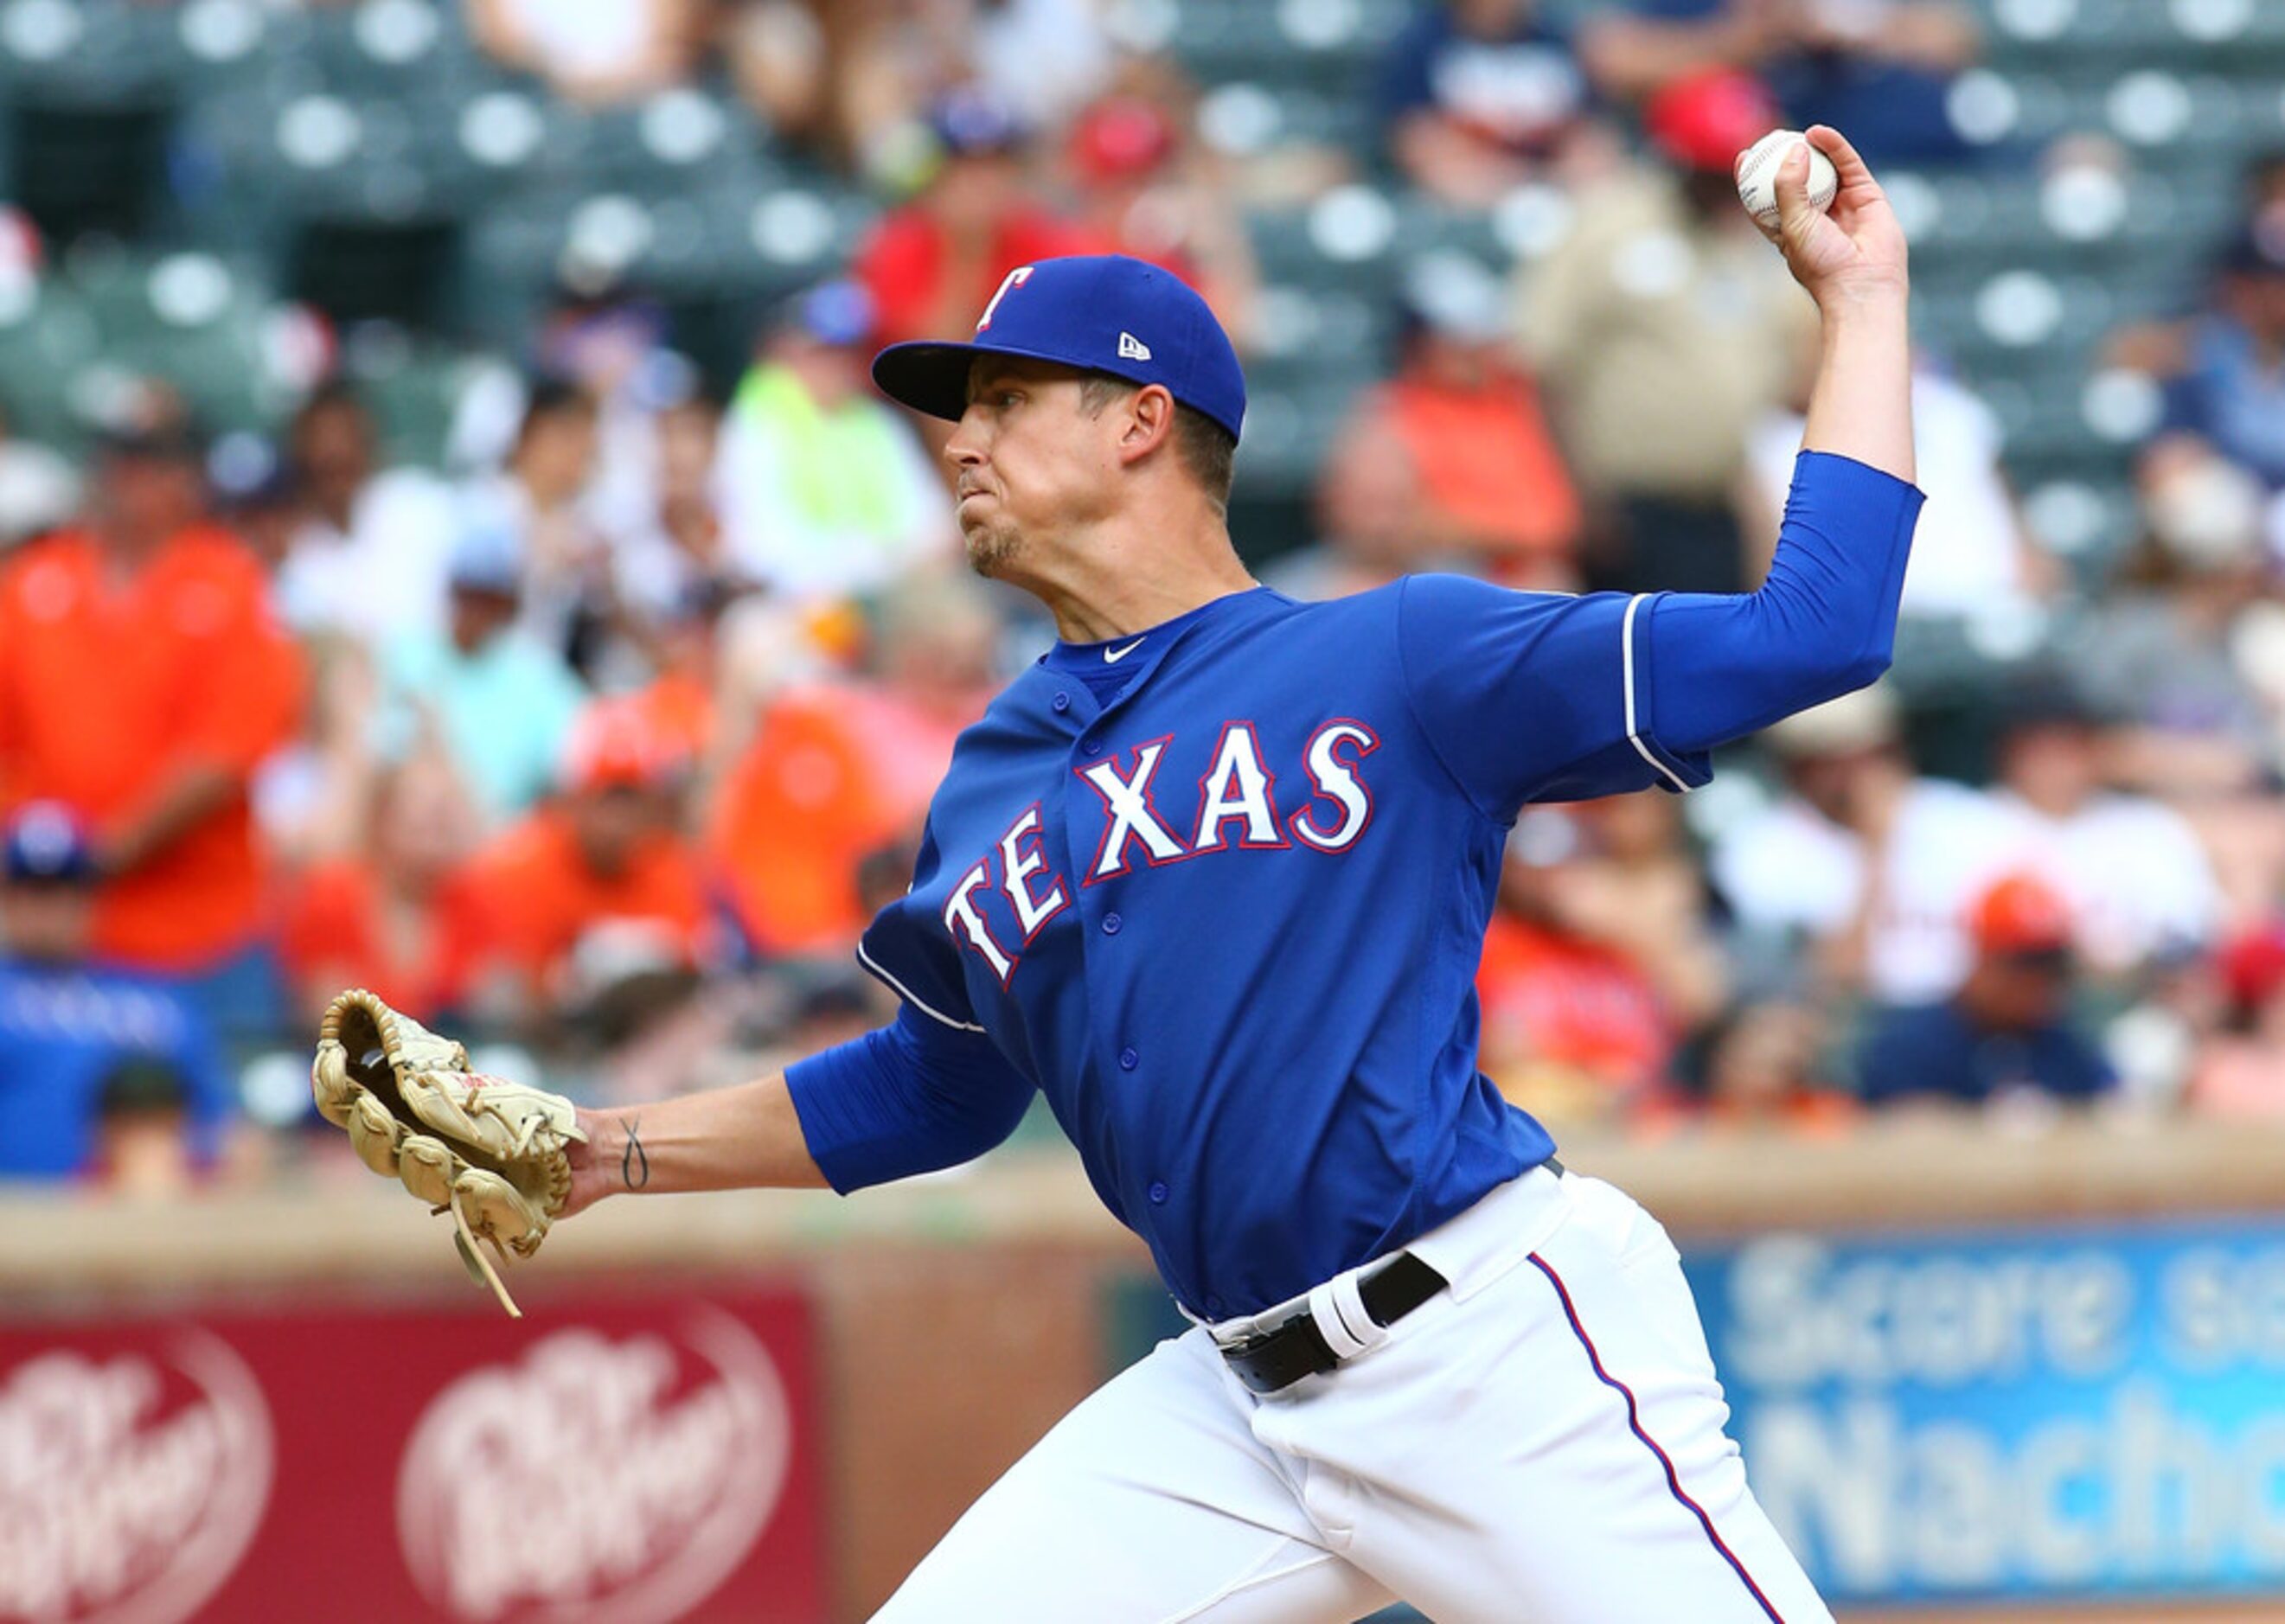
1098	312
486	558
45	841
970	119
839	312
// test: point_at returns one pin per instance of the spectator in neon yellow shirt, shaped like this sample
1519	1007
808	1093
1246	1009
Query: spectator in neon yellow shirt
824	489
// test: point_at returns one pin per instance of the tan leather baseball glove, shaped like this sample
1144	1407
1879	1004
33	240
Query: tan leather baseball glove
489	1152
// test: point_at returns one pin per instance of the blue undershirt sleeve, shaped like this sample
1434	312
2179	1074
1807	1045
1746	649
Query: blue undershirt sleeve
1542	696
1823	623
910	1097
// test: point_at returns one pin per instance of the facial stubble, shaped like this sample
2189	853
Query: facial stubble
993	547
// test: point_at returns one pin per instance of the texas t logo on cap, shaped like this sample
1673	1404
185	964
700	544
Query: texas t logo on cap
1083	311
1014	280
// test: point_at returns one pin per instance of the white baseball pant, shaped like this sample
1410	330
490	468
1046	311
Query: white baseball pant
1542	1443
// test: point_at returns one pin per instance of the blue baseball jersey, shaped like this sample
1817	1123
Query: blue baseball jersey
1219	890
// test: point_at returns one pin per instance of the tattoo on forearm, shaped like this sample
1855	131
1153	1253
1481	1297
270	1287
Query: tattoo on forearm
634	1161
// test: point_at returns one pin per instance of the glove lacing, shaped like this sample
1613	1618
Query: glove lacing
475	1253
533	1121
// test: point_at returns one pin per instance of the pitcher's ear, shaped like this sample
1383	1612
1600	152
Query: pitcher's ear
1150	412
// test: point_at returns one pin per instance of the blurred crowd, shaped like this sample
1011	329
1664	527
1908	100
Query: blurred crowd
600	743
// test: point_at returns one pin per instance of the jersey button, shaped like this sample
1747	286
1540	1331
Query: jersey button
1111	923
1092	746
1063	700
1128	1060
1158	1192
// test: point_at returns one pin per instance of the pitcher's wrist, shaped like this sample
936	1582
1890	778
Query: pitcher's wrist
1880	296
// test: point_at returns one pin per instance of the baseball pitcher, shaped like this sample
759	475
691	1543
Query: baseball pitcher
1213	878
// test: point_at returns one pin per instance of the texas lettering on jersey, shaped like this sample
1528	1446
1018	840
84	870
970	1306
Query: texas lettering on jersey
1237	806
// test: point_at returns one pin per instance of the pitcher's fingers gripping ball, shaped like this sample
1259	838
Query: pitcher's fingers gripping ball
491	1153
1757	177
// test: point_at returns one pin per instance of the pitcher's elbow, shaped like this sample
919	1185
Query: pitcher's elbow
1816	681
1868	667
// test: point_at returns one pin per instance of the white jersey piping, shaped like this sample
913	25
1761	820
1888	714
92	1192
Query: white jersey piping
1627	662
907	994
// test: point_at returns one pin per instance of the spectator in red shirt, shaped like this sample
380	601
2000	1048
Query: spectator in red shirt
1140	189
2240	1070
400	915
1574	1024
142	681
935	263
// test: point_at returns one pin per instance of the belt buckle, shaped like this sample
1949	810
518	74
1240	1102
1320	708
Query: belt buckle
1254	1342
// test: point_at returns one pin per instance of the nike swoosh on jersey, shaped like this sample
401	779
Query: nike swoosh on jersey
1113	656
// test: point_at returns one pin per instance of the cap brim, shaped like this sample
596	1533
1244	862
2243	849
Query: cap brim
932	377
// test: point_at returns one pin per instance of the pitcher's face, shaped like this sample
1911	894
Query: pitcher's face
1033	462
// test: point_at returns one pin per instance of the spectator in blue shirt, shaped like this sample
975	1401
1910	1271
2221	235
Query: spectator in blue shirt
500	700
2230	395
2007	1030
1478	97
93	1060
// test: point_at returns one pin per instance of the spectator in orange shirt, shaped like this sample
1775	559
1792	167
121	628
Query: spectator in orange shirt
1492	485
1450	465
932	264
599	889
836	770
142	680
679	703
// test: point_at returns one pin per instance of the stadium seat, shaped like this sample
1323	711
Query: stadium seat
411	387
669	143
1328	46
88	53
205	324
47	337
2124	33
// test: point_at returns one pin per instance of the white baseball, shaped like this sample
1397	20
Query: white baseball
1757	176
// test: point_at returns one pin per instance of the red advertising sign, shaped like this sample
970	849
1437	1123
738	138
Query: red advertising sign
627	1460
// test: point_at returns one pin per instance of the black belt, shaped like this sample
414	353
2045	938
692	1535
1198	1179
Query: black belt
1274	1360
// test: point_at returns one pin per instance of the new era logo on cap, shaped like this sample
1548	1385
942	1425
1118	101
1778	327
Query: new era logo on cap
1084	312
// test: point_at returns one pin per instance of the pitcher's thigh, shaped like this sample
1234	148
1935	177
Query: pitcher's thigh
1149	1504
1589	1479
